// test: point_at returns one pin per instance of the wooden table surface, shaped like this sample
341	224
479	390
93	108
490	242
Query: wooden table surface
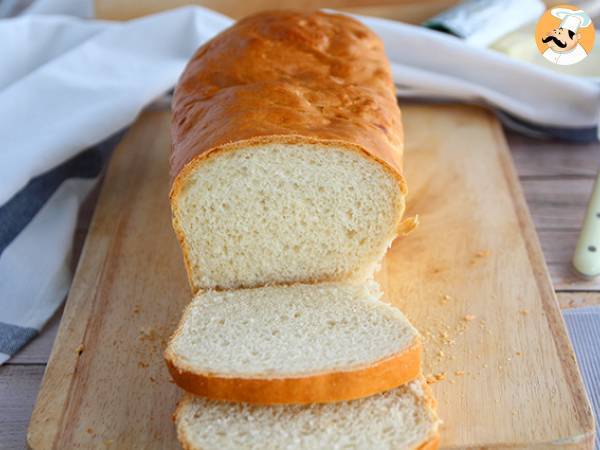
557	179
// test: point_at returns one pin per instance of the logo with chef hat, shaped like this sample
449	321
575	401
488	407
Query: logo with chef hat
565	35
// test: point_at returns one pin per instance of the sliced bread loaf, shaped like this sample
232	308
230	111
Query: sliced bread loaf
295	344
400	419
287	153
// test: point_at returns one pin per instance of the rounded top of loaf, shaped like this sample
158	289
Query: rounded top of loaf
287	74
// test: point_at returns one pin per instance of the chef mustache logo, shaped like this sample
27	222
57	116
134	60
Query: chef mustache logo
564	35
558	42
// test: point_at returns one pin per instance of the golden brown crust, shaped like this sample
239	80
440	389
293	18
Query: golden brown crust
434	441
432	444
318	388
317	75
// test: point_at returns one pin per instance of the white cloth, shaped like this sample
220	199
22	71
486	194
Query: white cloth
573	56
428	64
67	84
70	83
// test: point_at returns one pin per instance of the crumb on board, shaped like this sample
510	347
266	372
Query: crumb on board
136	309
479	255
519	353
469	317
79	350
523	312
459	373
431	379
143	364
148	334
108	442
444	299
89	430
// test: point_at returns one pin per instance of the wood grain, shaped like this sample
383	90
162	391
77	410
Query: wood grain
558	203
130	288
505	364
18	389
578	299
539	159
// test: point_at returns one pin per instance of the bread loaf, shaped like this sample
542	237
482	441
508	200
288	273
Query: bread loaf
287	153
298	344
401	419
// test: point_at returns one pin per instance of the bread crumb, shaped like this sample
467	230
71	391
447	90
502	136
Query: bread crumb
469	317
440	354
524	312
148	334
108	442
136	309
79	350
452	381
89	430
519	353
143	364
459	373
431	379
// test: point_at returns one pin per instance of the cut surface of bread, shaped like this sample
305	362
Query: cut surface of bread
293	344
283	213
287	171
400	419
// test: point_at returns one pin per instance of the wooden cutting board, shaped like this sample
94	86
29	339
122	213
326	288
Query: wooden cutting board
472	279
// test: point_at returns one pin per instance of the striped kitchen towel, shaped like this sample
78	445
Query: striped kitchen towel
584	329
67	85
36	233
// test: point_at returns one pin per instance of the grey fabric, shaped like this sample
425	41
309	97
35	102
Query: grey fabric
12	8
13	337
584	328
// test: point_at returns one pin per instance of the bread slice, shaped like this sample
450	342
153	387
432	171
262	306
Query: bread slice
296	344
400	419
287	153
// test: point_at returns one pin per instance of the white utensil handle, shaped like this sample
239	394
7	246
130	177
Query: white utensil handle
587	253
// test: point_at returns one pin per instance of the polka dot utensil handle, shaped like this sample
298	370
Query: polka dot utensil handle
586	260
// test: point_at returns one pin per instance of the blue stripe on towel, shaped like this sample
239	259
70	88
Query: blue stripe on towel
25	204
13	337
584	328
